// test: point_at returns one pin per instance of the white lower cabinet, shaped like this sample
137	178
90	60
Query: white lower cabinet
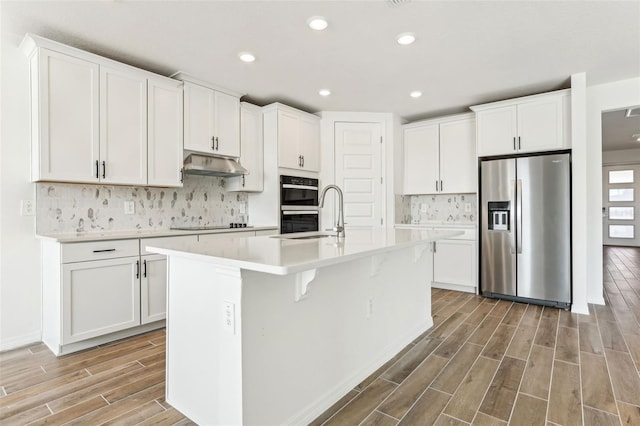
454	265
153	288
99	297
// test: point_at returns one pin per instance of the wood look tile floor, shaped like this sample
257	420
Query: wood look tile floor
485	362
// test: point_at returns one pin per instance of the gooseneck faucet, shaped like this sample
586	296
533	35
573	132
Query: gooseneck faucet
339	227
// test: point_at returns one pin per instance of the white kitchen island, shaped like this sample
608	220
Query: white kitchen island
270	331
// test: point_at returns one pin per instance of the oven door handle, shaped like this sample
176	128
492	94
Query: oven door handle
293	212
292	186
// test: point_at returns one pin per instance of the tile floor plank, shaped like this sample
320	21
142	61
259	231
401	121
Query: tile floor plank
502	392
596	387
624	377
567	346
453	374
529	411
629	414
593	417
427	409
378	419
521	342
537	374
565	405
363	404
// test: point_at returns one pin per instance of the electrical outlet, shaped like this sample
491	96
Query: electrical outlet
129	207
467	207
242	208
229	320
370	308
26	208
423	207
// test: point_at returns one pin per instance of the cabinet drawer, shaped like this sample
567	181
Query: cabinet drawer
80	252
166	241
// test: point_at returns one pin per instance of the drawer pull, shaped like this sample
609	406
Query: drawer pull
137	269
144	268
103	251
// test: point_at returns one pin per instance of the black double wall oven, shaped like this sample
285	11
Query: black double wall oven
298	204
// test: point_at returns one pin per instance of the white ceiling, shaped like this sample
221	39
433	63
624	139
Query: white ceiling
466	53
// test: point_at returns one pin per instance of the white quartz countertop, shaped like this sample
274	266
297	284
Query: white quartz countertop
76	237
282	256
430	225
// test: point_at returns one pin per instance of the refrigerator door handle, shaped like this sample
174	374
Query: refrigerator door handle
519	216
512	231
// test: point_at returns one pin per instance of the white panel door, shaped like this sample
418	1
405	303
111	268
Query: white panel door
68	103
359	173
100	297
153	289
165	133
540	125
199	118
227	125
458	160
288	134
421	160
123	127
621	205
497	131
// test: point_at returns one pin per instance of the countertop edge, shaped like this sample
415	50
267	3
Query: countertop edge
292	269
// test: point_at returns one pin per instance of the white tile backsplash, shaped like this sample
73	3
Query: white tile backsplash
202	201
449	208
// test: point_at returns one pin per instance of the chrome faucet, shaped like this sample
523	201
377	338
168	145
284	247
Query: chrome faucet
339	227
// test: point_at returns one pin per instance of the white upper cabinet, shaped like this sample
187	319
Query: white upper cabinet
164	146
298	138
212	119
530	124
439	156
65	132
93	120
123	127
458	160
251	151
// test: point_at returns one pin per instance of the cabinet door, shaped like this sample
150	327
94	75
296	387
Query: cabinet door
65	104
540	125
251	151
199	118
165	133
288	134
458	161
153	289
99	297
309	143
123	127
421	160
497	131
454	262
227	125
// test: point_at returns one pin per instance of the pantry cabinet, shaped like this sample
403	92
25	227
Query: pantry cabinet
212	119
94	120
298	137
530	124
251	151
439	156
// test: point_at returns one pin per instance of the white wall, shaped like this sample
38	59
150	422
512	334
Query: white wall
600	98
19	249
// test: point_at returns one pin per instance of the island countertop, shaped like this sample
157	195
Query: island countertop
292	253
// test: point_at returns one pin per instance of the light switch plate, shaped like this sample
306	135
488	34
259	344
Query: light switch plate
423	207
467	207
229	316
27	208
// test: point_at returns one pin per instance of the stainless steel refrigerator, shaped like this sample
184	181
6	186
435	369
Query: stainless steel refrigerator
525	228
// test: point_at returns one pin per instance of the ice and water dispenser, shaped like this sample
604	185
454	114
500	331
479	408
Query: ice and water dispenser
499	215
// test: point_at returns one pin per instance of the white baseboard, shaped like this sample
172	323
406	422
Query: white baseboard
597	301
20	341
320	405
580	308
456	287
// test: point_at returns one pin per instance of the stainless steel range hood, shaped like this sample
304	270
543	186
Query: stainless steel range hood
203	165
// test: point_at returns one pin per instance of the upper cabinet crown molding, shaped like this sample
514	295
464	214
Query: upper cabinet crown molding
183	76
529	124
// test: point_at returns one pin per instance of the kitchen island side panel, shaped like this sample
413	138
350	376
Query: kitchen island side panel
297	342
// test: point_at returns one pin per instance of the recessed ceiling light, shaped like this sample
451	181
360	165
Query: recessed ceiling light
324	92
317	23
406	38
415	94
246	57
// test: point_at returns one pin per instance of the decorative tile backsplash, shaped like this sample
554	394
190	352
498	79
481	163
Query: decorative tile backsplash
450	208
201	201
